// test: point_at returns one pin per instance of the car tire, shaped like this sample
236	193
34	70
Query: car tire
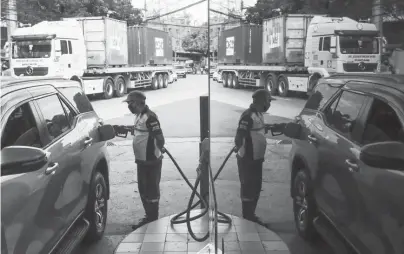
97	208
304	206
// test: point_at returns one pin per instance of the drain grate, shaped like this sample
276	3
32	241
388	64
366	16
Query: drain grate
110	144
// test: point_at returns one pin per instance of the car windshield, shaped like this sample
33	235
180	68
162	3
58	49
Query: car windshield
32	49
359	44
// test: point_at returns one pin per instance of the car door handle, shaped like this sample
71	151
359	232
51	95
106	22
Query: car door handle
88	141
312	138
51	169
353	167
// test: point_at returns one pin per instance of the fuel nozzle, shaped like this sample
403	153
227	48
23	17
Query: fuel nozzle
276	129
123	130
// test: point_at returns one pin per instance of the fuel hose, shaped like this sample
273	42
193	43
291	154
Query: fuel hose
176	219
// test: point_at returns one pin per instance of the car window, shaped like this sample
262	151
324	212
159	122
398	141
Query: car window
55	117
343	113
77	98
322	93
21	129
383	124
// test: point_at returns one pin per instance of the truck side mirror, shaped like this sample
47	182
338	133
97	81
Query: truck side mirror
58	53
333	50
333	42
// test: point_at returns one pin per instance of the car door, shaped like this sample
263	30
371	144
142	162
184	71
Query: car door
28	223
87	123
63	144
381	190
335	134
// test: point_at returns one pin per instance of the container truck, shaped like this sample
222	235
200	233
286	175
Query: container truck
104	54
296	51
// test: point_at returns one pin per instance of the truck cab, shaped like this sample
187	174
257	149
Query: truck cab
49	48
341	45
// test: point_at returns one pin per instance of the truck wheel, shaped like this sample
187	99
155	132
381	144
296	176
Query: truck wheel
283	86
97	208
155	83
272	85
230	78
165	81
160	81
224	80
236	85
120	87
108	89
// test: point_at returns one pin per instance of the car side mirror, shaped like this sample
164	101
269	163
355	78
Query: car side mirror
385	155
293	130
107	132
21	159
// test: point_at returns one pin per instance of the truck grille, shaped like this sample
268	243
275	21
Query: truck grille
35	71
354	67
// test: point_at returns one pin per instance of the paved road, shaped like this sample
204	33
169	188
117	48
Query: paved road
178	110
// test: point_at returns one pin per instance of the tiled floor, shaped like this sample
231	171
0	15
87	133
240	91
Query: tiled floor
241	237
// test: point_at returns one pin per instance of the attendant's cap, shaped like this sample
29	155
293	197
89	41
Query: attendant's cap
135	96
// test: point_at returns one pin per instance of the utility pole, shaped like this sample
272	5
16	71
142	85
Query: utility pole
377	13
11	18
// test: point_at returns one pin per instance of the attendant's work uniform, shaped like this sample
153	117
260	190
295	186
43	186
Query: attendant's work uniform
148	158
250	157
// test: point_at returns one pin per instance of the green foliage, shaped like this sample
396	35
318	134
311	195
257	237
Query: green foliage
34	11
356	9
196	41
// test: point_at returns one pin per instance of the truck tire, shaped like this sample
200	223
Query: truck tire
165	81
97	208
272	84
108	88
235	84
224	80
155	83
160	81
230	78
119	87
283	86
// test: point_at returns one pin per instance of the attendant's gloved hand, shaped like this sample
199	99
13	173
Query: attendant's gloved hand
235	149
163	150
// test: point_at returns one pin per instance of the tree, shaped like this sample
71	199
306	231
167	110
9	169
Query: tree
196	41
355	9
34	11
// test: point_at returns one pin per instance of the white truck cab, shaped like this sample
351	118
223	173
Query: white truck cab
49	48
341	45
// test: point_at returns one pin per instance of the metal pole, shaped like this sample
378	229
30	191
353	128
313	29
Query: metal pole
12	18
204	133
378	15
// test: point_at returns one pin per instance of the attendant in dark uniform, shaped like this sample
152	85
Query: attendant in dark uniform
250	145
148	147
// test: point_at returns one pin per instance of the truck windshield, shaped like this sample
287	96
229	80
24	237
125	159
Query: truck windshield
359	45
178	67
32	49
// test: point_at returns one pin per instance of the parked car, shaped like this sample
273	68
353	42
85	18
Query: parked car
347	163
54	166
172	77
180	70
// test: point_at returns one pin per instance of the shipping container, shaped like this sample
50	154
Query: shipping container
241	45
284	39
148	46
106	41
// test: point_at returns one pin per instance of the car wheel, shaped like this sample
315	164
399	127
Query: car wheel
97	208
304	206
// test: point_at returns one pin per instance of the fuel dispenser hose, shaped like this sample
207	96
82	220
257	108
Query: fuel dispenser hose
176	219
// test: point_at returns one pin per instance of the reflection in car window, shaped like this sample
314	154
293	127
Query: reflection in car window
382	124
21	129
54	115
343	113
321	94
76	96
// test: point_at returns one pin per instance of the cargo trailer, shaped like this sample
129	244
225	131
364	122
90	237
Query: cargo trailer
148	46
96	51
242	45
299	49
